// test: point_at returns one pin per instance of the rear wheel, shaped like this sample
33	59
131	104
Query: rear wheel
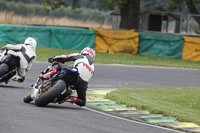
50	95
3	69
4	73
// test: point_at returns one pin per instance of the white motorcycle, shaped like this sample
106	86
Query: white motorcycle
53	90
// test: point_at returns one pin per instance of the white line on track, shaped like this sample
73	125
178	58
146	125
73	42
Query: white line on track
122	65
162	67
131	120
108	86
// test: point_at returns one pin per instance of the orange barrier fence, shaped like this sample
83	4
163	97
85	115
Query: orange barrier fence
191	49
116	41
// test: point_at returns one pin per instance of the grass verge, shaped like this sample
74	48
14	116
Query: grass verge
181	103
104	58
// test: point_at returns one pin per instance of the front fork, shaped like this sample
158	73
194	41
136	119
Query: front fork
34	93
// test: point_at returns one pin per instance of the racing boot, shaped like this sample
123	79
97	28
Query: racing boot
71	99
64	97
49	74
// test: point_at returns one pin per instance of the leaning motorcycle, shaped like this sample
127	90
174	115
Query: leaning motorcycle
8	65
55	89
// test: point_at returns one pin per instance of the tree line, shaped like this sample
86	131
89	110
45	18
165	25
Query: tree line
129	10
22	8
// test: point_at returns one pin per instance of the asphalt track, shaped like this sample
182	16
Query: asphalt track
18	117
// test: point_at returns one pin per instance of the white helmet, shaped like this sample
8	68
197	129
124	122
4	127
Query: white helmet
88	51
31	41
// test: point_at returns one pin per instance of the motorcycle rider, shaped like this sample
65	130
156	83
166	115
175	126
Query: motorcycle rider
83	63
27	54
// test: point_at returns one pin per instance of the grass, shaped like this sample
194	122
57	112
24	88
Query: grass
104	58
44	53
181	103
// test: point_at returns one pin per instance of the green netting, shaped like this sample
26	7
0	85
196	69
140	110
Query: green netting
72	38
168	46
48	36
14	34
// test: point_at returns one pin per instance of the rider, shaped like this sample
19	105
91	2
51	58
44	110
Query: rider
83	63
27	54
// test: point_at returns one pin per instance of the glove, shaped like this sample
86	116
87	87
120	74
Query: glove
5	50
51	59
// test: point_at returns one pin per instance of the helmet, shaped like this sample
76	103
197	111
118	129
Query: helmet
31	41
88	51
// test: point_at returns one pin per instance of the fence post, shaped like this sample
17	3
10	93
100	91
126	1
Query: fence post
187	30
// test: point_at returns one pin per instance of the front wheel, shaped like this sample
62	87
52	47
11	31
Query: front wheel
27	98
50	95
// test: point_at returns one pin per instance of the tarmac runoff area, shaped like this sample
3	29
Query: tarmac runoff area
96	100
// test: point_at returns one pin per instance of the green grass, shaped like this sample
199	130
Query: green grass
104	58
181	103
44	53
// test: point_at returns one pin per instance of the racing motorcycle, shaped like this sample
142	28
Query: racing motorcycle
8	66
55	89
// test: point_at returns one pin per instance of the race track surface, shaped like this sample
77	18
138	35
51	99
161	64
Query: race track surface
18	117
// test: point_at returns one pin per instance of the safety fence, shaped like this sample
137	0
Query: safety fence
168	46
116	41
147	44
48	36
106	40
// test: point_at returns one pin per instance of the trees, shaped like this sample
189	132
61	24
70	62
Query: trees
191	5
130	9
130	14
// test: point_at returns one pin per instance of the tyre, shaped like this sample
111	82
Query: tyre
3	69
50	95
27	98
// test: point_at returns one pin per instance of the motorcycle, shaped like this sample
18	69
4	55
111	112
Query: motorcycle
8	66
53	90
